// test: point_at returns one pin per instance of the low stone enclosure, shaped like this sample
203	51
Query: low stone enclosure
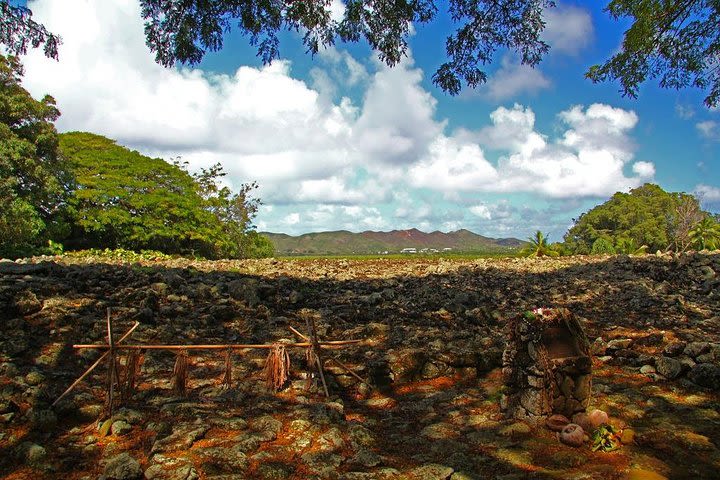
546	365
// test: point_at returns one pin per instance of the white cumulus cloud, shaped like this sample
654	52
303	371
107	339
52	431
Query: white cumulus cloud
568	29
586	160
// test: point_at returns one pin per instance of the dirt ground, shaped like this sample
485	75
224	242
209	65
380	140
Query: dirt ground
427	406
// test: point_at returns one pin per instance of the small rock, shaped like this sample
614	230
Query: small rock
431	471
572	435
674	349
693	349
556	422
32	453
43	420
26	303
645	369
668	367
619	343
706	375
627	436
34	378
120	427
122	467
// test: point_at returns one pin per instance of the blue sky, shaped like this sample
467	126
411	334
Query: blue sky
339	141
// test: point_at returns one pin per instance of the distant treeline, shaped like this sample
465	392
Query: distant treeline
80	190
646	219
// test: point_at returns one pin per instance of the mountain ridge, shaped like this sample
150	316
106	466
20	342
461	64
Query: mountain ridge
344	242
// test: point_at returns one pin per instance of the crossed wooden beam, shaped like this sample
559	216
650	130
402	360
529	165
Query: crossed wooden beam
111	348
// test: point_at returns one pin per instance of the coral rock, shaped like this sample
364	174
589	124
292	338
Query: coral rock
572	435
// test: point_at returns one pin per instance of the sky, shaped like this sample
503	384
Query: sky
341	141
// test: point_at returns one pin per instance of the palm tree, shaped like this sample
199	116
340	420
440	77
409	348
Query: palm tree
539	246
705	234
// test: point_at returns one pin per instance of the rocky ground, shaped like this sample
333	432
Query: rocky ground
434	340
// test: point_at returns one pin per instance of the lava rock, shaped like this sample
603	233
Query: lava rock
706	375
668	367
26	302
122	467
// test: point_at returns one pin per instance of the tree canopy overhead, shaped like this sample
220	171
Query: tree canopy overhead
676	41
183	31
18	31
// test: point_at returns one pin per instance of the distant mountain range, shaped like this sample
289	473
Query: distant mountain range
397	241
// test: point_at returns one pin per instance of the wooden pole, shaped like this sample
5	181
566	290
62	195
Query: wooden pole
315	351
349	370
112	366
328	344
94	365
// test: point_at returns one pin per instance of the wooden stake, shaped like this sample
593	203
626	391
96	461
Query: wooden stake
93	366
315	351
180	373
227	377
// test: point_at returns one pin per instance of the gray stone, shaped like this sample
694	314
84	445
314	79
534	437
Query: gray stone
267	427
120	427
224	459
182	438
706	375
366	458
122	467
34	378
645	369
43	420
163	472
432	471
668	367
32	454
26	303
693	349
619	344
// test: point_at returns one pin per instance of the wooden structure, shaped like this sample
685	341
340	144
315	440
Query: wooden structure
277	366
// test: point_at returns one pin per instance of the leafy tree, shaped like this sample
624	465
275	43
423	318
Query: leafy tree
34	179
127	200
539	246
629	246
235	211
18	31
705	234
602	245
673	40
647	215
257	246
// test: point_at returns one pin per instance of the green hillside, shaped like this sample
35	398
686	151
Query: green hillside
343	242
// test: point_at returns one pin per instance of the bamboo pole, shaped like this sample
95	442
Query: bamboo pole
94	365
328	344
112	364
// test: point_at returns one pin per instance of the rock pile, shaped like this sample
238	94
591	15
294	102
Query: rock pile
546	365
